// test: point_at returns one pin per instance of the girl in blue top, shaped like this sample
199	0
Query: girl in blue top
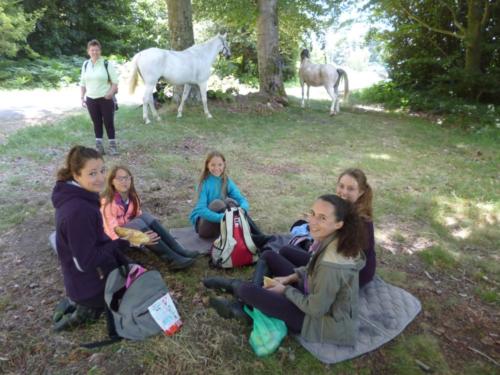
216	192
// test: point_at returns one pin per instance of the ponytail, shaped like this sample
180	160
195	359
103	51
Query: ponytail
75	162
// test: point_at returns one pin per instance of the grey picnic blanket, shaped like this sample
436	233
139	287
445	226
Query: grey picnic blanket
187	237
384	312
190	240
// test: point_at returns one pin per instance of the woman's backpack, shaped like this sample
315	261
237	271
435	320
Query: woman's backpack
234	247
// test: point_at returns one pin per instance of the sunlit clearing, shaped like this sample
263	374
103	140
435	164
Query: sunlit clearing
379	156
462	216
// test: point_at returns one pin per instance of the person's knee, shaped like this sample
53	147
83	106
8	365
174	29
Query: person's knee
267	255
231	203
217	205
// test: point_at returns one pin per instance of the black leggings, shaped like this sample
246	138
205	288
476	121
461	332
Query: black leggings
270	303
295	255
102	110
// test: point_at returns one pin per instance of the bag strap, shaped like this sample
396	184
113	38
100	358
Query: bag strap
105	67
113	336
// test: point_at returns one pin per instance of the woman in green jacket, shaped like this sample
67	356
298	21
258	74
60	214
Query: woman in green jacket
318	301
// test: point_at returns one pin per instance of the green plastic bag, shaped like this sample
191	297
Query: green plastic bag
267	332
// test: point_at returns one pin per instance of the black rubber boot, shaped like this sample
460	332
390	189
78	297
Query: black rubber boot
170	241
174	260
230	309
261	270
81	315
225	284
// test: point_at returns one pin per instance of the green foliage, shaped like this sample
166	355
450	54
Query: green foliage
452	111
40	73
15	25
426	46
238	18
122	26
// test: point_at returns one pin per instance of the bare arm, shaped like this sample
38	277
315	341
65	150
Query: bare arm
83	90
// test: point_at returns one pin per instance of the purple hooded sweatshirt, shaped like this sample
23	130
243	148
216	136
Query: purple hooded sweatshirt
85	252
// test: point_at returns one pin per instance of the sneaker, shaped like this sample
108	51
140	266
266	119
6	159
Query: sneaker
100	147
113	150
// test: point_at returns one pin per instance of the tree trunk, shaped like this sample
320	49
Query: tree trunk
269	58
472	40
180	24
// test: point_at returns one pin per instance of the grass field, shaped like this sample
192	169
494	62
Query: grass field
437	211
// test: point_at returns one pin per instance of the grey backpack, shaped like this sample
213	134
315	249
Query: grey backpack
129	306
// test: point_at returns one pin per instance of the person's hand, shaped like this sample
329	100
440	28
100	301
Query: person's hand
277	288
108	96
84	103
154	238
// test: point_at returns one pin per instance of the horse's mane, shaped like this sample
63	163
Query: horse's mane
196	47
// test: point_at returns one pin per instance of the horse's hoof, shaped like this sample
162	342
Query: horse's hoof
158	119
333	113
179	115
147	122
209	116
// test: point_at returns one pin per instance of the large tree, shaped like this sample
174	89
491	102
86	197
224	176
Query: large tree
276	27
180	24
454	40
269	59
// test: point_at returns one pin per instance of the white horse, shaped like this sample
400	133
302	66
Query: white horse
322	75
188	67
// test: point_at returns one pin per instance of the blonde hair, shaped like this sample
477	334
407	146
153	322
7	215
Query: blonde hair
206	172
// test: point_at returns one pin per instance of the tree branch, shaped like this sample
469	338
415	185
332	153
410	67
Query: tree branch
454	15
431	28
486	14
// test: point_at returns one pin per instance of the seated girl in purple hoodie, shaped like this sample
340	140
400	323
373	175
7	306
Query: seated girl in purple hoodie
85	252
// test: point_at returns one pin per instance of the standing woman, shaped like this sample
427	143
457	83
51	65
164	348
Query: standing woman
99	84
85	252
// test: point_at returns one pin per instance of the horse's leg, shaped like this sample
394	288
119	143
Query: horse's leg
146	99
308	87
331	92
302	87
203	92
185	94
337	101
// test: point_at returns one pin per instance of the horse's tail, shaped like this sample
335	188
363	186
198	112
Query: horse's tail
343	74
134	76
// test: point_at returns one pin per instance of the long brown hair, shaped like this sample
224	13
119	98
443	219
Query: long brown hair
206	172
110	191
75	162
364	204
351	237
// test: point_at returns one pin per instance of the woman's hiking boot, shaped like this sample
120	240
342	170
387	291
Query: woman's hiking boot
113	148
66	306
99	146
229	309
80	315
222	283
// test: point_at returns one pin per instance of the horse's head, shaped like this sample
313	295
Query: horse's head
224	46
304	54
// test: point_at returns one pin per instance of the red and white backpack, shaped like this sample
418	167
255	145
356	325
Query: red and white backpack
234	247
